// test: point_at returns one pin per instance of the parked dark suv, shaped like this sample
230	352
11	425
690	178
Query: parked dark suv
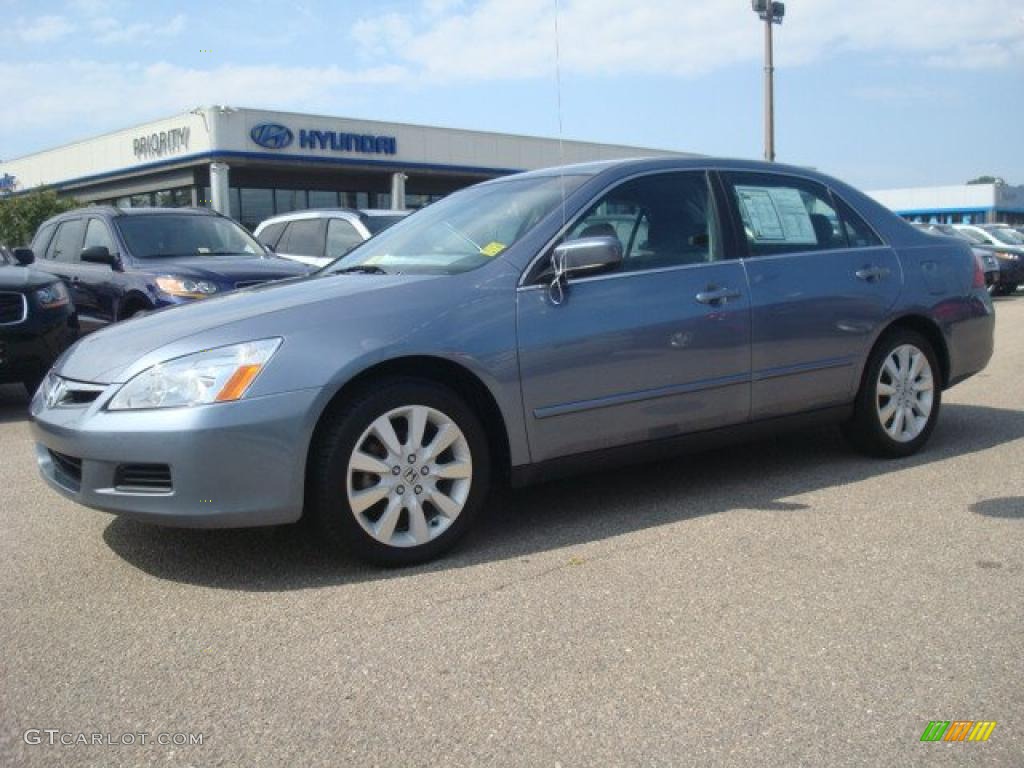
119	262
37	320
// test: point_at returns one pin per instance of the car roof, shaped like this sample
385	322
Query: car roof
113	210
351	214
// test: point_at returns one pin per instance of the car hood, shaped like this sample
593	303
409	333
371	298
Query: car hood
261	312
222	268
22	278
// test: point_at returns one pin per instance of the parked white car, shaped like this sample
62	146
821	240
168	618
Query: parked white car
318	237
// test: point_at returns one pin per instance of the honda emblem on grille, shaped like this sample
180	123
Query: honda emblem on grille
55	394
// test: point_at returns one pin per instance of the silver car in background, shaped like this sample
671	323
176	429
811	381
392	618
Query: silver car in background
566	319
319	236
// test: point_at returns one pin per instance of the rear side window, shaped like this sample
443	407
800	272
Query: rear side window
783	214
67	243
303	238
42	239
272	233
341	238
858	233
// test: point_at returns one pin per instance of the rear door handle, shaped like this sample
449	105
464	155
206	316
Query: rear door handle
872	273
717	295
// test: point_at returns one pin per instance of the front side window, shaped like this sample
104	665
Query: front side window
272	233
42	240
98	234
662	220
782	214
303	238
465	230
157	236
67	243
341	238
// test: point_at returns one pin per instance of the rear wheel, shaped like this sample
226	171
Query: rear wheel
398	475
899	398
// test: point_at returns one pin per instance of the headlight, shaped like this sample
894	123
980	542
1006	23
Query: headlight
212	376
1010	256
52	296
186	287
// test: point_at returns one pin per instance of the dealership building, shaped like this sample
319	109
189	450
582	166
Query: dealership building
252	164
961	204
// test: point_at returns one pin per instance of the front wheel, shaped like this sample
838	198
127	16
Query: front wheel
397	476
898	402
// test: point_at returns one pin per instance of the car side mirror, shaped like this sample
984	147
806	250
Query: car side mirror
98	254
586	256
24	256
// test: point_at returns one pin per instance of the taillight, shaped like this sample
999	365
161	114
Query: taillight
979	272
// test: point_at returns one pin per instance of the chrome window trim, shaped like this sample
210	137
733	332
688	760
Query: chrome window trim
24	307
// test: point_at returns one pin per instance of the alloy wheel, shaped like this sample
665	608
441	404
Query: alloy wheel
904	393
409	476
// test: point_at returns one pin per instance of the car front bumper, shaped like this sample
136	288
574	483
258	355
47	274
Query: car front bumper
1011	271
223	465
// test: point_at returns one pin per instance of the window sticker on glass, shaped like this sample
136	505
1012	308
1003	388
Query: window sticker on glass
775	215
492	249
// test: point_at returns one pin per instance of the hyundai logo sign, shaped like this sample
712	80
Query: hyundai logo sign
272	135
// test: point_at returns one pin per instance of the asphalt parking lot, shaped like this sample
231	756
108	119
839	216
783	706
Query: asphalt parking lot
779	604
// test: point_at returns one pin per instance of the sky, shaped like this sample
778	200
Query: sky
882	93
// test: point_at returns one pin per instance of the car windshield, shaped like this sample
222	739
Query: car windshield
463	231
379	223
165	235
1007	236
974	237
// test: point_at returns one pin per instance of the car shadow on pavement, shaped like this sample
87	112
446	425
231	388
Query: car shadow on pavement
569	512
13	403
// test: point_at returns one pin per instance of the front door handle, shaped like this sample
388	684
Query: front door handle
872	273
715	295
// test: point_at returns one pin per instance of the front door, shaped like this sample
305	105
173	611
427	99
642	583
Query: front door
654	349
821	285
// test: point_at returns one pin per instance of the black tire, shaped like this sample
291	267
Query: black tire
865	430
327	501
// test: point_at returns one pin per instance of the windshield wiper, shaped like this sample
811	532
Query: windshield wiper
363	269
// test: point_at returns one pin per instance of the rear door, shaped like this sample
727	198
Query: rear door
657	348
821	284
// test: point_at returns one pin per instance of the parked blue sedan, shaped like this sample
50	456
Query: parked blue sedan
119	262
540	323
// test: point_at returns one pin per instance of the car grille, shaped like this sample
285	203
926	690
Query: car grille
69	467
250	283
13	308
143	478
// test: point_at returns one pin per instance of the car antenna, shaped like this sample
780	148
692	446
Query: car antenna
556	291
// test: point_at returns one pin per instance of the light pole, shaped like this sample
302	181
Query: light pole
770	13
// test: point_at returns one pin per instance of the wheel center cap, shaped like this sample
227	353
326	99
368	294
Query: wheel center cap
410	474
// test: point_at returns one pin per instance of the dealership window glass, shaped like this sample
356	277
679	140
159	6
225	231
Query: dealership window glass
67	243
466	230
319	198
858	233
256	205
287	200
341	238
303	238
143	200
663	220
785	214
96	234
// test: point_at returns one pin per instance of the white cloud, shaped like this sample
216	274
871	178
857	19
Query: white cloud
108	30
43	29
509	39
99	95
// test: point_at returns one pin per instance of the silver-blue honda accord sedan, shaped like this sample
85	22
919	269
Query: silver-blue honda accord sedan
526	326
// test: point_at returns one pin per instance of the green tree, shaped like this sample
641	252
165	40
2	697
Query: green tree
987	180
21	215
